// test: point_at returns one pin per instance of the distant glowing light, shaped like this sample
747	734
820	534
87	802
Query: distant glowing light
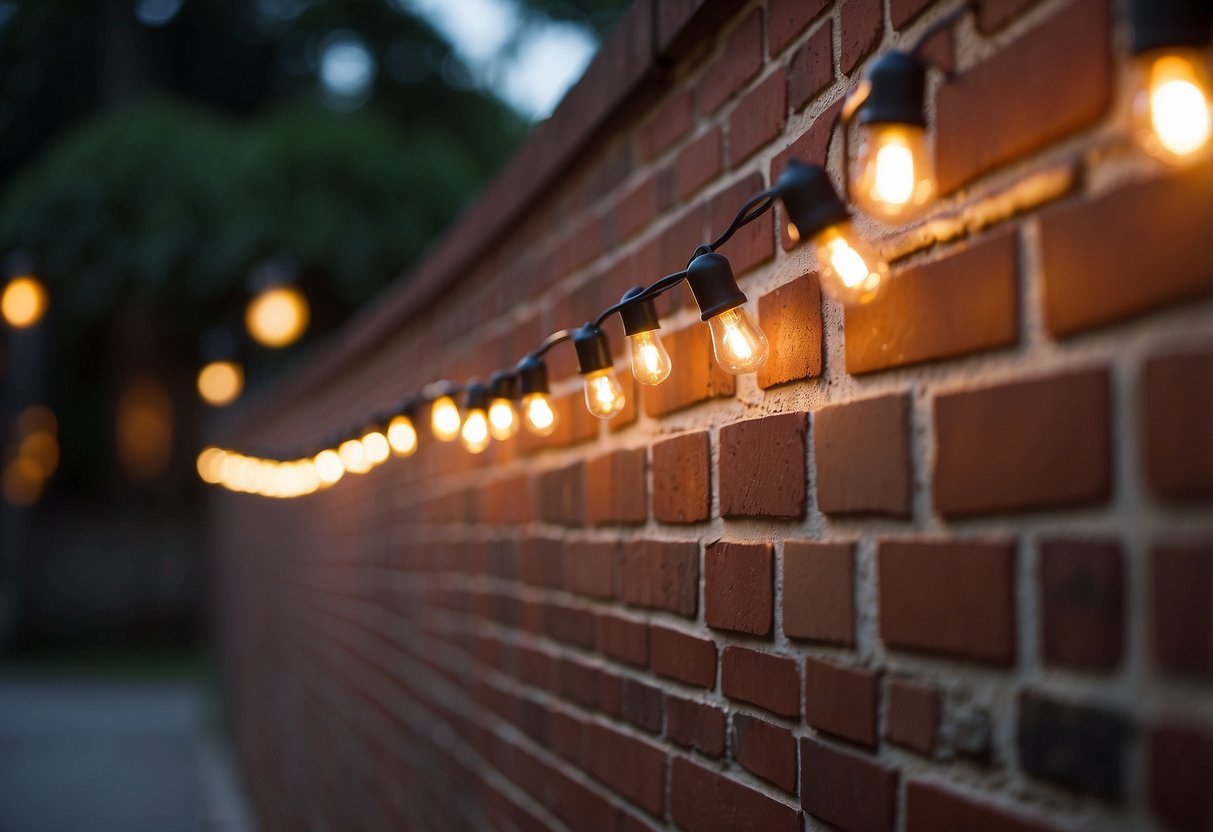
23	302
278	316
220	383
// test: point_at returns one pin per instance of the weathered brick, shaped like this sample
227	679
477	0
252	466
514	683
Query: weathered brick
759	117
762	467
752	245
862	25
589	568
1082	604
636	209
1127	252
1179	759
770	682
862	452
631	767
1181	599
812	68
996	113
954	598
562	495
571	625
902	12
661	574
993	14
842	700
625	639
788	18
682	657
670	122
698	163
682	479
766	750
541	562
930	807
697	725
643	705
790	316
1078	746
965	302
504	501
913	714
819	591
740	61
1038	444
738	589
703	801
695	376
1177	429
846	790
615	488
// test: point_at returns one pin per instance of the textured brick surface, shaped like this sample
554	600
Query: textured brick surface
862	454
762	467
682	657
660	574
1082	604
1177	428
765	750
703	801
695	376
812	68
692	724
698	164
768	681
682	479
931	807
786	19
1042	443
819	591
842	700
953	598
846	790
740	61
1083	748
758	118
1181	601
615	488
913	714
862	22
1178	760
738	591
790	317
752	245
632	767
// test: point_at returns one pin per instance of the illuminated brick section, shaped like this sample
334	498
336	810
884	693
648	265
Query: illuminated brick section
945	562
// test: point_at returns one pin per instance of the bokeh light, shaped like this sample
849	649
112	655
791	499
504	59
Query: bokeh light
220	383
24	302
278	316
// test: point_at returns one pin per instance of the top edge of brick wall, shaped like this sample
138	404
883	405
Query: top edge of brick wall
631	64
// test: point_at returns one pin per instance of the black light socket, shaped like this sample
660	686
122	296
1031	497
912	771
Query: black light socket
478	396
711	280
809	199
593	349
504	384
898	91
640	316
532	376
1159	24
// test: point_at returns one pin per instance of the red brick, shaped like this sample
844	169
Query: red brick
819	591
790	316
770	682
636	209
996	113
697	164
588	686
682	479
670	122
1082	604
695	376
738	589
811	146
766	750
762	467
930	807
504	501
740	61
615	487
681	657
643	705
862	27
1182	608
812	69
703	801
786	19
567	736
862	451
534	667
589	568
953	598
902	12
631	767
993	14
842	700
1177	430
1038	444
695	725
574	423
1120	255
541	562
1179	759
960	304
661	574
759	117
847	791
570	625
755	243
913	715
624	639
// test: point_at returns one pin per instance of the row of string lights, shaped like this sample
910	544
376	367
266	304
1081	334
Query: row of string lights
891	179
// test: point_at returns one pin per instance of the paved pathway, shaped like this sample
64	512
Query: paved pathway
98	756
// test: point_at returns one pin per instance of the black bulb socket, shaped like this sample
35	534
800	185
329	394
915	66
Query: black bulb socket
809	199
532	376
504	384
638	316
898	91
593	349
711	280
478	396
1162	24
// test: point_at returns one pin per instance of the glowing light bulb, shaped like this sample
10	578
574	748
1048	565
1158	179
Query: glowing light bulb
892	177
220	383
538	414
740	346
603	393
376	447
23	302
328	467
210	465
1172	110
444	419
851	270
503	419
278	316
402	436
650	361
475	432
353	456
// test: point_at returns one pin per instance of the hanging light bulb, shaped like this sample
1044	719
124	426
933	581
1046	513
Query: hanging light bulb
475	432
328	467
650	361
603	393
537	412
1172	104
23	301
353	457
277	316
375	445
893	177
851	271
738	343
445	419
503	418
402	435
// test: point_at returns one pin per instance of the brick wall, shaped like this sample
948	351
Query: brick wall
945	563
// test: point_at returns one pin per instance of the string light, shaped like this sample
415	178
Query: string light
375	445
23	302
503	417
220	383
650	361
739	345
603	392
444	418
402	435
537	412
277	316
475	432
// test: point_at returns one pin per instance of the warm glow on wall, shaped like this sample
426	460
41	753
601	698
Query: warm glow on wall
1172	111
144	429
278	316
